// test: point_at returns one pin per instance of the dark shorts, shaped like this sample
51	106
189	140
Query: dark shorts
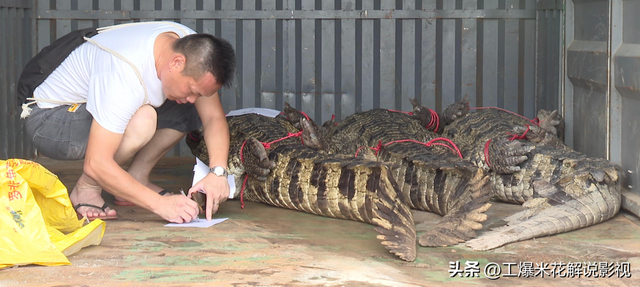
59	134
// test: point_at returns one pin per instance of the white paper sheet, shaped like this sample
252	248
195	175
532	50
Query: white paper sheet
202	223
261	111
200	170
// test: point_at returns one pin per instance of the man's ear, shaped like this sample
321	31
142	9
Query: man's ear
178	62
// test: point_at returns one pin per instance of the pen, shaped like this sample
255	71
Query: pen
199	208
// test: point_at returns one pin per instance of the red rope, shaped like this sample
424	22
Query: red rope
241	149
535	121
244	183
486	153
194	139
305	115
357	151
266	146
449	144
408	113
435	119
517	136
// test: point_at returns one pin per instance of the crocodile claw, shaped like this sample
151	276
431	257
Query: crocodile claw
456	110
312	136
506	156
293	116
540	135
256	160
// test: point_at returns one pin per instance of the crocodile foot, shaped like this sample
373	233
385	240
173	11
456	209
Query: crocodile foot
456	110
466	216
552	122
506	155
393	219
311	135
255	159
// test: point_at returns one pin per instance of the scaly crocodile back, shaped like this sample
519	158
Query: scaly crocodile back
433	177
563	189
315	182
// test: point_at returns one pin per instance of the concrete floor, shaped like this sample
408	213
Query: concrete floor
267	246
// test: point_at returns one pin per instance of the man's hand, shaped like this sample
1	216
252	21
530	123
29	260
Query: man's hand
217	190
177	208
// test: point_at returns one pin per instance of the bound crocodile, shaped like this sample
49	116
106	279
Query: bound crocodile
290	175
562	189
430	172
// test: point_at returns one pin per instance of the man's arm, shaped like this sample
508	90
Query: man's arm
216	135
101	166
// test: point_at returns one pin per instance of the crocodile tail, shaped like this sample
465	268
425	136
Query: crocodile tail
339	187
393	218
574	202
464	217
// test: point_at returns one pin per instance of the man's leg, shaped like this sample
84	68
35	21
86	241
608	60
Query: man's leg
144	161
139	132
174	121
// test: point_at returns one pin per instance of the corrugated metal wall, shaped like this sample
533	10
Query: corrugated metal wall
16	49
602	94
339	57
550	50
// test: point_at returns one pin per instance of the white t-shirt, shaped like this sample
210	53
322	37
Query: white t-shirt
108	84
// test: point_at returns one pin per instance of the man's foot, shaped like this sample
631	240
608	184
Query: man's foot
87	200
91	218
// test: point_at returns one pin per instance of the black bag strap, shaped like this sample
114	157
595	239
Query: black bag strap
47	60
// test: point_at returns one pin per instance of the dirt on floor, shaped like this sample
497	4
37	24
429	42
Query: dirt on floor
262	245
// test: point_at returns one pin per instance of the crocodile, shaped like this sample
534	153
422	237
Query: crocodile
561	189
272	166
430	173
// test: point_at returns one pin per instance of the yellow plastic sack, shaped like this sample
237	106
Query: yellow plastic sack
38	224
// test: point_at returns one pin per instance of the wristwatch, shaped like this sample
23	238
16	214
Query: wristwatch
219	171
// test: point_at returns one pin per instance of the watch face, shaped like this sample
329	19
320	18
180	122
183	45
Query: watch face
219	171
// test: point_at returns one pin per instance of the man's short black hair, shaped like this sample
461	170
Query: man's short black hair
207	53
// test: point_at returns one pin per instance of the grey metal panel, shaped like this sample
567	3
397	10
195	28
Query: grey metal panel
325	101
246	64
510	95
406	70
106	5
449	51
4	93
307	84
528	69
229	96
387	83
626	95
81	24
290	54
287	15
17	35
63	26
268	58
428	60
587	70
338	57
468	65
548	57
490	58
367	59
348	52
